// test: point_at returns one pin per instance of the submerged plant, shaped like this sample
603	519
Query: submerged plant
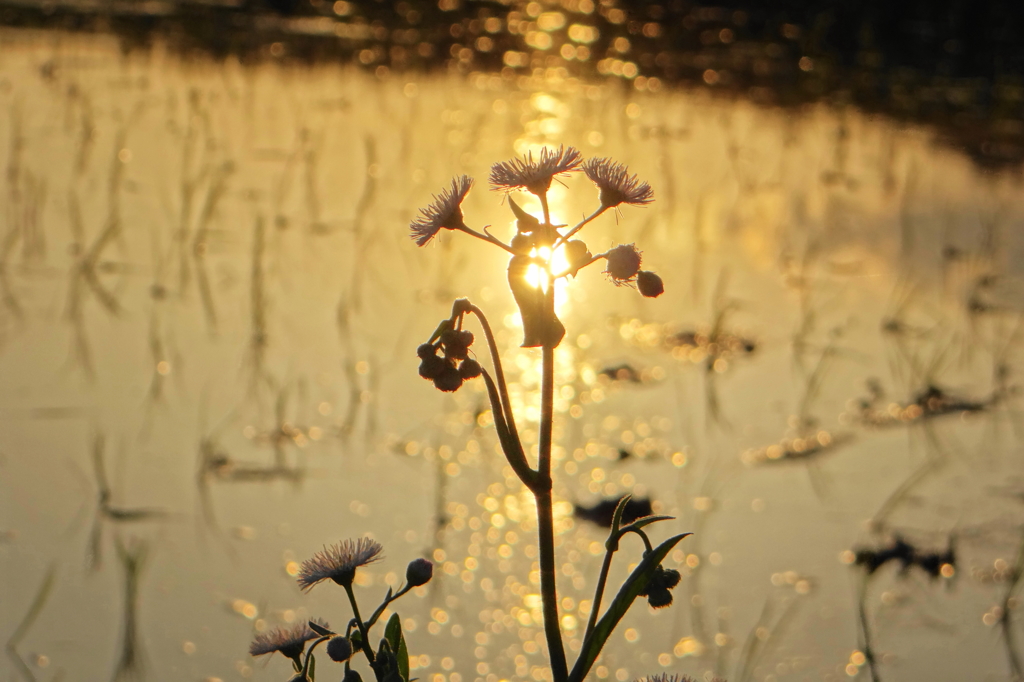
445	360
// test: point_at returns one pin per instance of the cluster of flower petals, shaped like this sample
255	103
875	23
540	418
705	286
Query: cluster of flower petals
616	184
535	176
445	211
286	640
339	562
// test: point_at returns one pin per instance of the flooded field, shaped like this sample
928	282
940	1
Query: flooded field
209	313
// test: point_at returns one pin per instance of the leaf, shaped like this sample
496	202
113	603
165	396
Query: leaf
393	633
319	629
442	327
645	521
629	591
620	508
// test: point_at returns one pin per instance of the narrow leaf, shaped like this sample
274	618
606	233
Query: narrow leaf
645	521
319	629
629	591
620	508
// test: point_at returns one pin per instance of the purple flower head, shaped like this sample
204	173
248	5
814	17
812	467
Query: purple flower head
339	562
534	176
616	184
445	211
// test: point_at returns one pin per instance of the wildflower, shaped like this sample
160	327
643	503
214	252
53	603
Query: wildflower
665	677
339	562
623	263
339	648
649	284
534	176
616	184
419	572
658	586
290	642
445	211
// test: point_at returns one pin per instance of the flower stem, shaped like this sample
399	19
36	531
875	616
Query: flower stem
367	649
499	373
579	226
599	592
545	518
487	237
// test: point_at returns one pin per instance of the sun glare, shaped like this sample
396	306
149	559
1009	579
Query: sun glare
557	262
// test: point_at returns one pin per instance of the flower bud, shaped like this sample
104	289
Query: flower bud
469	369
419	572
339	648
623	263
431	367
448	379
659	598
649	284
426	350
456	343
576	254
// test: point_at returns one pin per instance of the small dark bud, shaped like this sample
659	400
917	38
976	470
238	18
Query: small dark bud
649	284
431	367
469	369
670	578
576	254
352	675
659	598
448	380
339	648
419	572
466	337
454	343
426	350
623	263
663	579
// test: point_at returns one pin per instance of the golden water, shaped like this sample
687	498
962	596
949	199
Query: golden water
206	283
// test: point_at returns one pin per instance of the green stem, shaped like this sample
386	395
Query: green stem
511	447
545	518
367	649
487	238
544	205
599	593
579	226
499	373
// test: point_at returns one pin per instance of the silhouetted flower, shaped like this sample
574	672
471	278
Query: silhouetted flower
534	176
445	211
666	677
623	263
419	572
649	284
657	588
290	642
616	184
339	562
